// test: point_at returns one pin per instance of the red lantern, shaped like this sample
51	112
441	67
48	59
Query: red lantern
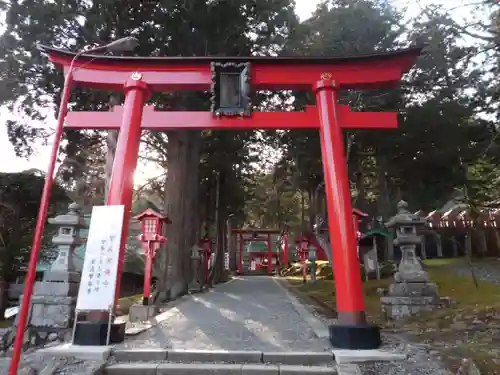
304	248
151	238
284	247
357	215
206	251
303	254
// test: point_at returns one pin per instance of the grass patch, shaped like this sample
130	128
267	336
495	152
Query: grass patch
443	261
469	328
125	303
6	323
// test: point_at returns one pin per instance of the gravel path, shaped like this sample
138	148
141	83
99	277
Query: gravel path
41	365
422	360
488	272
247	313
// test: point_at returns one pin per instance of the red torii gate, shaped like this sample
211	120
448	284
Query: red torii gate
267	239
326	76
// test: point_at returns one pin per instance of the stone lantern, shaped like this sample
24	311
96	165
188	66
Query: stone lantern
412	290
54	298
303	256
312	259
196	282
66	240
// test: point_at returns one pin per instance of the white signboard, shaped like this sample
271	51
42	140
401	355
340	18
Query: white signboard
11	311
98	282
370	260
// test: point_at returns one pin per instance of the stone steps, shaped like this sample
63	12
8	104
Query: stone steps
168	368
192	362
223	356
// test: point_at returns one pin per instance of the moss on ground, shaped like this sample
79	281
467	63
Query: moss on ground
125	303
468	328
6	323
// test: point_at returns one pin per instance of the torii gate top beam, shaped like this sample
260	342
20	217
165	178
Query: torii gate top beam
174	73
382	70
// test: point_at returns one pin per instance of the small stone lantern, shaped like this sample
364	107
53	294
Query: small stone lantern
195	266
54	298
303	255
66	240
408	227
312	260
412	291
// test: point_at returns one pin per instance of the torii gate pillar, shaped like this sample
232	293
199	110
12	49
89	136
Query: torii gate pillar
121	188
348	285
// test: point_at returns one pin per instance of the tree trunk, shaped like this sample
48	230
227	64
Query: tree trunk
219	246
468	244
111	142
454	246
278	204
5	269
360	202
384	202
220	220
233	246
311	199
497	240
482	242
4	297
181	206
302	210
439	244
193	212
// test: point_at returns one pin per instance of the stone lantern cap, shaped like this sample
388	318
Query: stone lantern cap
195	252
72	218
405	217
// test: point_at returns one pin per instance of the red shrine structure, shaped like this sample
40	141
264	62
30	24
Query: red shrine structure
308	239
256	235
232	81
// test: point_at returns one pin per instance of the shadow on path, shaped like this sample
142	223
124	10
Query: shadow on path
247	313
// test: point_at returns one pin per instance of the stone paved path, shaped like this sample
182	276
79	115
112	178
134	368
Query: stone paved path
488	272
247	313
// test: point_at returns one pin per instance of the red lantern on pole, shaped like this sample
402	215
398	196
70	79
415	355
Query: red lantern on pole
357	215
206	251
285	248
151	238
